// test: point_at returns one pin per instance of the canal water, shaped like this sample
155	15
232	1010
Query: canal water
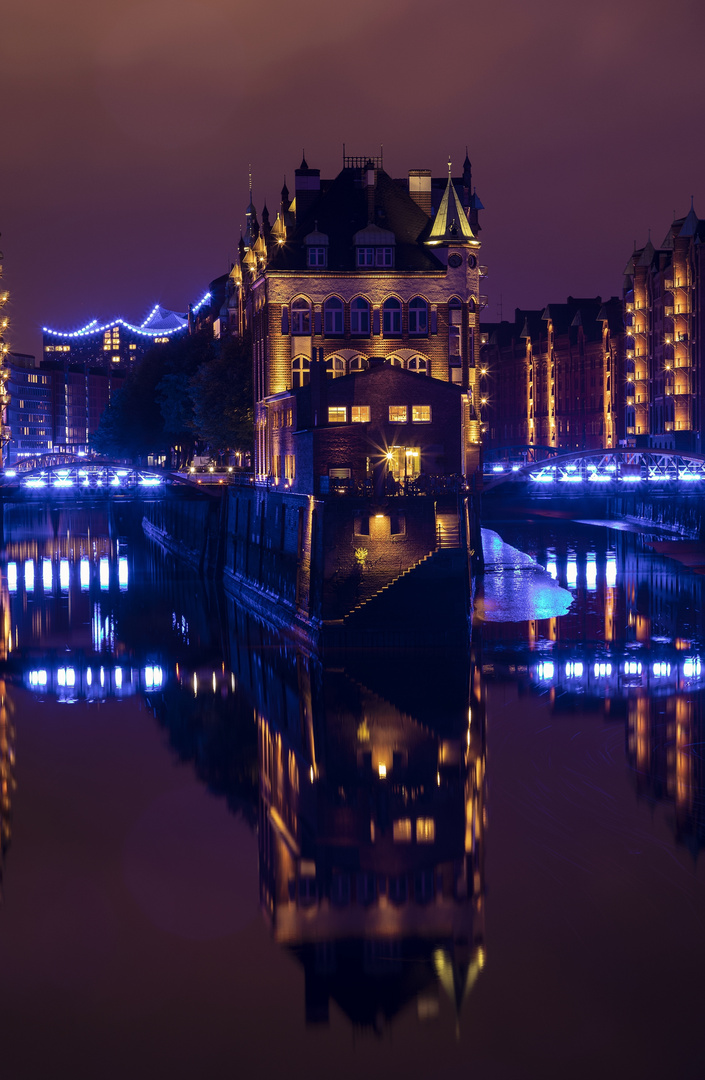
223	857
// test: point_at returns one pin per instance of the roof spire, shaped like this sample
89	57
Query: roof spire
304	163
451	225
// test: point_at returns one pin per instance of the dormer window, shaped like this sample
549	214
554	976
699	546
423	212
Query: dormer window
374	246
375	256
316	248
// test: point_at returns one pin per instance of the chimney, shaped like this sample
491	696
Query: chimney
420	188
308	189
370	184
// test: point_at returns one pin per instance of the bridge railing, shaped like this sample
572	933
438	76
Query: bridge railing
86	477
605	470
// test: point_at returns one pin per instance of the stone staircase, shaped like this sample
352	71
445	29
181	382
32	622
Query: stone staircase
448	530
434	592
388	585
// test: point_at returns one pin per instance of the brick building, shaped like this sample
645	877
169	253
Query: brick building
555	377
342	429
353	269
664	300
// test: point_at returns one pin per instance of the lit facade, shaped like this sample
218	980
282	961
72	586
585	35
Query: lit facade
664	298
555	377
29	409
358	269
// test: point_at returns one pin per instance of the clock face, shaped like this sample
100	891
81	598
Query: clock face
455	259
472	262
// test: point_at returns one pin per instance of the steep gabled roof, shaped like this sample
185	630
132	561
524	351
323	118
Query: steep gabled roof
342	211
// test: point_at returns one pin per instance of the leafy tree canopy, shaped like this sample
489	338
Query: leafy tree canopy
192	389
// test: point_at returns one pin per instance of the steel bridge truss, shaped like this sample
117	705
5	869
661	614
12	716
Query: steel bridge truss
598	470
87	477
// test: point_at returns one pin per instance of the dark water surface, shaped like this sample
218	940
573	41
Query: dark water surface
222	857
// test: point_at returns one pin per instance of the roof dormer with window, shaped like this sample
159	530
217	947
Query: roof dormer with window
374	248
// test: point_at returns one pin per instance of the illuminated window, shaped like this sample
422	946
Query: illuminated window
401	831
419	365
418	316
316	256
335	367
359	316
360	414
359	363
133	346
290	466
365	256
391	317
107	348
337	414
48	348
333	316
396	361
397	414
425	830
421	414
301	317
300	372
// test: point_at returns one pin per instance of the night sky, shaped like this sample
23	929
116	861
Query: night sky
128	127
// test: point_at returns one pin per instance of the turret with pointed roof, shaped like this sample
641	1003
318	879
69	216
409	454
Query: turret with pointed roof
450	225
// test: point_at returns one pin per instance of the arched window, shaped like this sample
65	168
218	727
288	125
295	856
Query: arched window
359	316
396	361
391	317
333	316
419	364
358	363
301	317
300	372
335	367
418	316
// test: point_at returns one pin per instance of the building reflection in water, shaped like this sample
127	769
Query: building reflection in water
371	841
364	774
367	788
632	645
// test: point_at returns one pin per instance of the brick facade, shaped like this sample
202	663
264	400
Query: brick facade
555	377
360	268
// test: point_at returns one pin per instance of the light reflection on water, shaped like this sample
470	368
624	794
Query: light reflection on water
364	783
515	587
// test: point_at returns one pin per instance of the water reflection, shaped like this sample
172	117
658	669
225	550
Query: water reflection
365	776
630	645
365	781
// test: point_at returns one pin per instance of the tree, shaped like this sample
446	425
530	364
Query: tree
193	388
221	397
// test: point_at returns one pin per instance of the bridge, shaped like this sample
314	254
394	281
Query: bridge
588	472
87	477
